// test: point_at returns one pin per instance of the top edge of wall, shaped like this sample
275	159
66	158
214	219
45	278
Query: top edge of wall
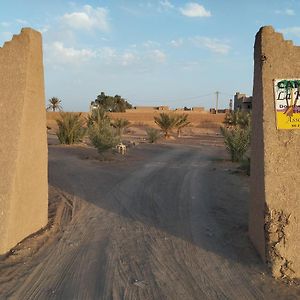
24	31
269	31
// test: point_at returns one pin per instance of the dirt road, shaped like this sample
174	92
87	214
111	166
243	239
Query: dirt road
168	222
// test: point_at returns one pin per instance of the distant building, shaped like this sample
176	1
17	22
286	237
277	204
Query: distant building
93	106
242	102
162	107
198	108
145	107
152	107
230	104
220	111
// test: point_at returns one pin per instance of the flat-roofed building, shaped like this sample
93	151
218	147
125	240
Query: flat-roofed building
242	102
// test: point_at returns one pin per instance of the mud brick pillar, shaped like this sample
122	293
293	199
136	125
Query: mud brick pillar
23	140
274	220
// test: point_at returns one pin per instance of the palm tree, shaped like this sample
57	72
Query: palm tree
182	121
166	122
120	125
55	104
98	117
70	128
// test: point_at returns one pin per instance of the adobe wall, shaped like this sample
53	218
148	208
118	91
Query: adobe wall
274	221
23	141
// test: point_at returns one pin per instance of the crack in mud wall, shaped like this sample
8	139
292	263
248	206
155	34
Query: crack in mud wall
275	228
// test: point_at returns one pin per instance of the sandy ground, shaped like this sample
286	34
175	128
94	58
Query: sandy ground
166	221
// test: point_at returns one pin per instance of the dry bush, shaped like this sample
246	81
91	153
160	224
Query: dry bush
152	134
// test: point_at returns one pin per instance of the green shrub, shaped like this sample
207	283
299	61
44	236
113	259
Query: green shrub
237	141
70	128
98	116
152	135
238	118
101	133
120	125
103	136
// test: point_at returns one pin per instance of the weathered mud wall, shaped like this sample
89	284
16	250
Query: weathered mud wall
23	144
274	223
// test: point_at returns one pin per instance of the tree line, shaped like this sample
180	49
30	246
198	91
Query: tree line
107	103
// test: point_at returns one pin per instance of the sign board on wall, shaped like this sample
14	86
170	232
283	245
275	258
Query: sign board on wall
287	103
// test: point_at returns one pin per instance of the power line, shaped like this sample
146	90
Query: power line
186	99
227	94
194	97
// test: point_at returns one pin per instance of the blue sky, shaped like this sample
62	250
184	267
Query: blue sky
160	52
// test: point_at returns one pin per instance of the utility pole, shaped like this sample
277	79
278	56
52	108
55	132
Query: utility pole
217	101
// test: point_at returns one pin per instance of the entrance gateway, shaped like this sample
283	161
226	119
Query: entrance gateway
274	217
23	139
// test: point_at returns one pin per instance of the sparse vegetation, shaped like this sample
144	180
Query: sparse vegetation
120	125
102	135
98	116
166	122
54	104
182	121
237	134
152	135
70	128
237	118
237	141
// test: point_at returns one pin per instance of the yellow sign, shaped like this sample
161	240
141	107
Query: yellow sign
287	103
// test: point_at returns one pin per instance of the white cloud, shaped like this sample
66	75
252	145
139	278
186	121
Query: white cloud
190	65
111	56
44	29
291	30
290	12
287	11
166	4
58	53
176	43
151	44
131	11
214	45
108	52
158	56
88	19
194	9
22	22
5	24
146	5
128	58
